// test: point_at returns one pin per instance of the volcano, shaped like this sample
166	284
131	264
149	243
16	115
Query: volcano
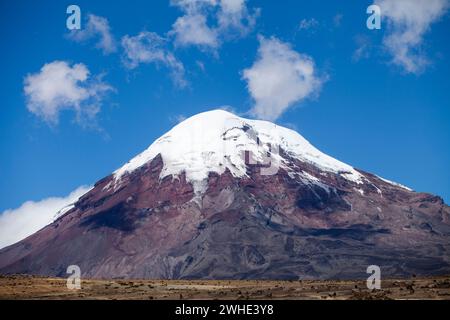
223	197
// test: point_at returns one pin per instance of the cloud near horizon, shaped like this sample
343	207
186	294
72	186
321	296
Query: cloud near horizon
279	78
31	216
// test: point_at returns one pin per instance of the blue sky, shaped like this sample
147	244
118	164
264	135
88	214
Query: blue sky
368	109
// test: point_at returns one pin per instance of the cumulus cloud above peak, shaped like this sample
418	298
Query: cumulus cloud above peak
60	86
235	17
192	29
407	23
230	18
279	78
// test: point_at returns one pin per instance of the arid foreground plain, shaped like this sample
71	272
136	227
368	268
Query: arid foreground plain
31	287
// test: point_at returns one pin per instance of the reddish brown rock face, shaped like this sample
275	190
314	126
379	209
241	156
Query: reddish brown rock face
256	227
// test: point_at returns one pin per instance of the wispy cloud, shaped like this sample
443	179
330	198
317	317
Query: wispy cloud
30	217
59	86
279	78
308	24
98	29
408	22
364	45
149	47
337	20
177	118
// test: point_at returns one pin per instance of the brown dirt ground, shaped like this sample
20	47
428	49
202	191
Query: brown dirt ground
32	287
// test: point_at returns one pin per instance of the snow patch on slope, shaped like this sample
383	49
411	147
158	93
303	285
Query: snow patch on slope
395	183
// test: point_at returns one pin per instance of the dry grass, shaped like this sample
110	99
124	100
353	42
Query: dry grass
31	287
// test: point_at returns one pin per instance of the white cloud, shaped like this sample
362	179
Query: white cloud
408	22
279	78
96	28
234	16
59	86
148	47
30	217
229	18
191	29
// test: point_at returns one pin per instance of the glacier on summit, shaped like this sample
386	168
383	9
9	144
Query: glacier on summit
217	140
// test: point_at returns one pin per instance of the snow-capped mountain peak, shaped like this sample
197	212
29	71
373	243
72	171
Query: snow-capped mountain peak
242	224
217	140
